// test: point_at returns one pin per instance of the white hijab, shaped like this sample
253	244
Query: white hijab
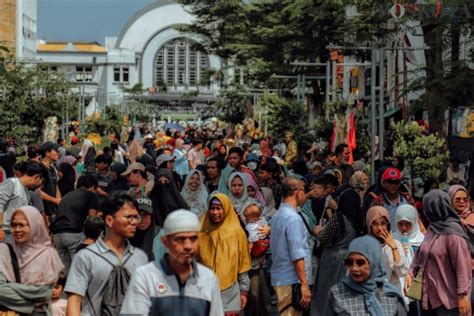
197	200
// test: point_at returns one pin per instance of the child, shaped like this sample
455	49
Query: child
93	228
254	220
58	304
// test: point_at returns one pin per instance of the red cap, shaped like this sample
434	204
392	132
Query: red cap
391	174
74	140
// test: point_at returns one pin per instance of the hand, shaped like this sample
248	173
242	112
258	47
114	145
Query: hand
408	282
305	296
388	238
317	229
463	305
2	234
243	300
264	231
332	204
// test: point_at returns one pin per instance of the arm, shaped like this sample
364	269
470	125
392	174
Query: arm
401	266
216	303
459	255
48	198
74	305
305	291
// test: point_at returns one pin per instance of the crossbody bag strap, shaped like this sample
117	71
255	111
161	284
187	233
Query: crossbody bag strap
306	224
429	251
16	267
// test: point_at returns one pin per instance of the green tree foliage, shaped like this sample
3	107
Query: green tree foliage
285	115
29	93
425	155
233	104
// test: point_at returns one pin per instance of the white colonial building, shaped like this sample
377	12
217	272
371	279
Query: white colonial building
150	50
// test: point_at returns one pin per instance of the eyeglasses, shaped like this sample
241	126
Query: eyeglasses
19	226
461	200
130	218
378	224
350	262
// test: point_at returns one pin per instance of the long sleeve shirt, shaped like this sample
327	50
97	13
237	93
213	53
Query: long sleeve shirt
447	271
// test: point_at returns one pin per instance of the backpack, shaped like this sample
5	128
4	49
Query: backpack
114	289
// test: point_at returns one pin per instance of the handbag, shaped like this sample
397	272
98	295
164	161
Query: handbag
415	290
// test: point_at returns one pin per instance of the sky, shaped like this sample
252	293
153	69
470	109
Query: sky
84	20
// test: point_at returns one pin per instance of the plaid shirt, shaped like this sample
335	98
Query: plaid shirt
346	302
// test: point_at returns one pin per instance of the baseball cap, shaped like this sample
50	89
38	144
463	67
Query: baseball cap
144	204
148	136
181	221
164	157
132	167
316	164
74	140
391	174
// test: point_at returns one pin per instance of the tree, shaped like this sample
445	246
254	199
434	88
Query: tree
29	94
426	155
233	105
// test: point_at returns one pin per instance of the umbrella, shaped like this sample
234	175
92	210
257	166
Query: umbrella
174	126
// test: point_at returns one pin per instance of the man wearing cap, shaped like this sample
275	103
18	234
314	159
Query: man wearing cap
176	284
138	179
50	192
392	197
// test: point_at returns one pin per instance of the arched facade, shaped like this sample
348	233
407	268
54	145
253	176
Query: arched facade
165	55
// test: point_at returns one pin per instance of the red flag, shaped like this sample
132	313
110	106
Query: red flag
351	136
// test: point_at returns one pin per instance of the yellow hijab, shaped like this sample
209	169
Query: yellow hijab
224	246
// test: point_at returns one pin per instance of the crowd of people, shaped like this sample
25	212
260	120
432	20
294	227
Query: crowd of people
182	223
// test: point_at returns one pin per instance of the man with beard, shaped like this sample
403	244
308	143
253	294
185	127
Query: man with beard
341	162
176	284
91	267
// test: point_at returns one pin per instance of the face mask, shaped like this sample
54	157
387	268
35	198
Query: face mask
252	165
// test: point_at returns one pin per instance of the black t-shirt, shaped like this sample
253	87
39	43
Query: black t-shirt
50	187
73	211
103	180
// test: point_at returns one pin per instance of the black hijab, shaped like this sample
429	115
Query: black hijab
165	197
66	183
443	219
349	205
143	239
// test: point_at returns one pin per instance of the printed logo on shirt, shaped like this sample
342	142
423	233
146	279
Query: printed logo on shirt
161	288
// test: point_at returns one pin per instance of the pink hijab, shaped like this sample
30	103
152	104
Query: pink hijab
250	182
38	260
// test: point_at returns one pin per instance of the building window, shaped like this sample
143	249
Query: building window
121	74
179	63
84	73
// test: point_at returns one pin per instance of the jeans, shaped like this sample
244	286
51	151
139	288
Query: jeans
66	244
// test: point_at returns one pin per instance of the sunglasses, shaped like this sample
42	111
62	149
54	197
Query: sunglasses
350	262
393	181
461	200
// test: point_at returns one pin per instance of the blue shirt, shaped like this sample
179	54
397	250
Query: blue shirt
288	243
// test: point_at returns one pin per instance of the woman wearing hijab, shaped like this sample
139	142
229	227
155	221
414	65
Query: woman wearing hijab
67	178
38	263
88	154
135	151
224	249
396	263
334	238
409	235
223	186
165	196
195	193
365	289
238	191
445	256
460	201
254	191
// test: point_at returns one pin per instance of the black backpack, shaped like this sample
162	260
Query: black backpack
114	290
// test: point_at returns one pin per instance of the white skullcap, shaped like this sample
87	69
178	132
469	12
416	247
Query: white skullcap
180	221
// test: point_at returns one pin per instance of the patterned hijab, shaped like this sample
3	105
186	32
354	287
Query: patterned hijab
370	248
38	260
197	200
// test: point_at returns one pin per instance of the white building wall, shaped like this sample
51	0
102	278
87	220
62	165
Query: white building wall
26	31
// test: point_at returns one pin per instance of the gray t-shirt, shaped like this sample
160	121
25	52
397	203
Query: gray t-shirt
89	273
